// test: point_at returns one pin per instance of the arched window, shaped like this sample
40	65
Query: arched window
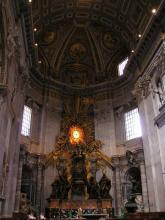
122	66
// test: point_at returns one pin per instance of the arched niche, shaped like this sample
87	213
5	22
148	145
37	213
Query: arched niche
28	183
133	186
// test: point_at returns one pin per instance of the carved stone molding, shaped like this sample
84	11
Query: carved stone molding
25	78
12	42
144	84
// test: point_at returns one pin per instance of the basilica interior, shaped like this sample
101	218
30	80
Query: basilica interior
82	109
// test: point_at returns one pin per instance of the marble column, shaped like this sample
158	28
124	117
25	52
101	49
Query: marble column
42	190
39	185
118	190
18	188
144	187
113	190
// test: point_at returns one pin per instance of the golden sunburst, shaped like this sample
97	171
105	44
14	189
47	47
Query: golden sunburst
76	135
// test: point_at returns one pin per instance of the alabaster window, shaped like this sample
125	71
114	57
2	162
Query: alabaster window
26	122
132	124
122	66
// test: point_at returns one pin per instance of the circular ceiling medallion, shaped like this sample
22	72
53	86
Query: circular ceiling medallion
110	41
49	37
76	135
77	51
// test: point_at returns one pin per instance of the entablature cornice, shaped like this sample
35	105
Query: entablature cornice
66	89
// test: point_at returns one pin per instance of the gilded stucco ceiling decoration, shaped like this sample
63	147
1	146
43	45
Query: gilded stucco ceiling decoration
110	40
77	51
48	38
81	42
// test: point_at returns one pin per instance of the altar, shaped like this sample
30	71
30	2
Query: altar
70	209
90	204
